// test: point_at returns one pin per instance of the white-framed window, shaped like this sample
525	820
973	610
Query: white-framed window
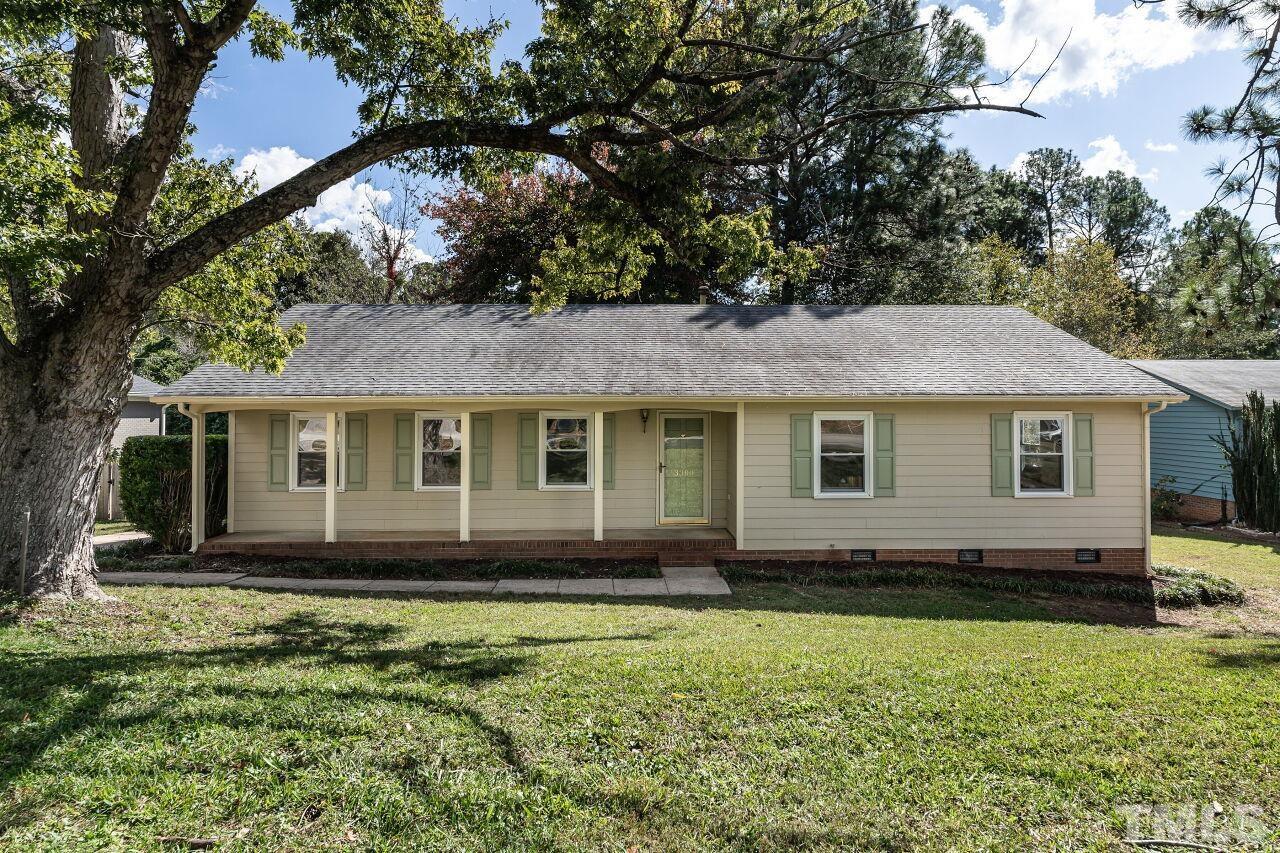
438	448
308	460
1042	454
842	464
564	450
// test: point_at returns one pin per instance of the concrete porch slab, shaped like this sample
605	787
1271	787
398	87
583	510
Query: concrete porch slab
640	586
269	583
464	586
528	586
586	586
397	586
690	573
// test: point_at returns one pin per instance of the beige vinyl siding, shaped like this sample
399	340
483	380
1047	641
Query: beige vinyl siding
632	503
943	497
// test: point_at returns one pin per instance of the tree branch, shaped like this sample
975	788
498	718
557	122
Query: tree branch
190	253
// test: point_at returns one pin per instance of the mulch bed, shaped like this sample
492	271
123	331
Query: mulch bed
405	569
813	570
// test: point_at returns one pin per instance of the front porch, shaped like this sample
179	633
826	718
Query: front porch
668	545
540	479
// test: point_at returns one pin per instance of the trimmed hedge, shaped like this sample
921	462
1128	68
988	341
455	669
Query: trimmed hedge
155	487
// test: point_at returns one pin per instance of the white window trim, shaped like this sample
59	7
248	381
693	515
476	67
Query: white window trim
293	451
542	453
1068	455
868	433
418	418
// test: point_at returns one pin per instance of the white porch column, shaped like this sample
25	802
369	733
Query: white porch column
597	473
231	472
740	473
197	478
331	477
464	487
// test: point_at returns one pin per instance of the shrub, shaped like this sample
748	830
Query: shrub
1252	450
1179	587
155	487
1165	502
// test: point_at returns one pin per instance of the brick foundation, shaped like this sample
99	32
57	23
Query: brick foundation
1202	508
1116	561
1122	561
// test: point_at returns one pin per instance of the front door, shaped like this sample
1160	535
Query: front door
682	469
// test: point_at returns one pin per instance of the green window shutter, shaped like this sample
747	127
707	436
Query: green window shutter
278	453
402	437
1002	455
357	443
884	469
481	443
610	430
802	456
527	451
1082	436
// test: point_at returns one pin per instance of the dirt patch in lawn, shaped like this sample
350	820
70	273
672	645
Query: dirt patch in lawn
567	569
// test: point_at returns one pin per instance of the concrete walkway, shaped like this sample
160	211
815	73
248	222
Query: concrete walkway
108	540
675	580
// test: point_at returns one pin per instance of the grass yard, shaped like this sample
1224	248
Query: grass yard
102	528
885	719
1253	565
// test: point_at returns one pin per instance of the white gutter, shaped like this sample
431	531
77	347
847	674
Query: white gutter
1147	412
637	401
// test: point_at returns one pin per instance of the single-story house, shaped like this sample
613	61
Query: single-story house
140	416
955	434
1182	438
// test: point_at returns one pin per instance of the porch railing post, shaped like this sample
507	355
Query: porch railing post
597	473
464	486
197	477
331	477
740	474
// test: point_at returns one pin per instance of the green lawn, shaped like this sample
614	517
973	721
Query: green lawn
1252	565
885	719
101	528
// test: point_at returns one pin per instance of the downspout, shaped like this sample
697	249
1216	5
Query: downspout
1147	412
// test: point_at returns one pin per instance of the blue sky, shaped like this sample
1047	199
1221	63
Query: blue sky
1117	98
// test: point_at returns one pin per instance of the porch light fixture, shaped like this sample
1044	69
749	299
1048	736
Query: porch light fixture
644	420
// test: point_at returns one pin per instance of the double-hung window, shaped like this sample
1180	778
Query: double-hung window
309	461
439	442
1042	441
564	457
841	467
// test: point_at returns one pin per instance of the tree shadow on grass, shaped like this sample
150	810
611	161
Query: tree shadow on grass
962	603
1262	657
48	699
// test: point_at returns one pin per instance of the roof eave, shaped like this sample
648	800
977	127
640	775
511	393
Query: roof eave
289	400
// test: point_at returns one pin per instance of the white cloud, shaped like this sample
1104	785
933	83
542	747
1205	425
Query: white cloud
213	90
1102	50
220	152
1019	161
1109	155
1161	147
347	206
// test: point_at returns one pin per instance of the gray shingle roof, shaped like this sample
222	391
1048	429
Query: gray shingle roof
678	351
143	388
1224	381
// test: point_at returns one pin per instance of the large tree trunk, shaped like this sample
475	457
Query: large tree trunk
58	409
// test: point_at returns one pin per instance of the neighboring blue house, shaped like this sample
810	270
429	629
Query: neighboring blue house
1182	444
